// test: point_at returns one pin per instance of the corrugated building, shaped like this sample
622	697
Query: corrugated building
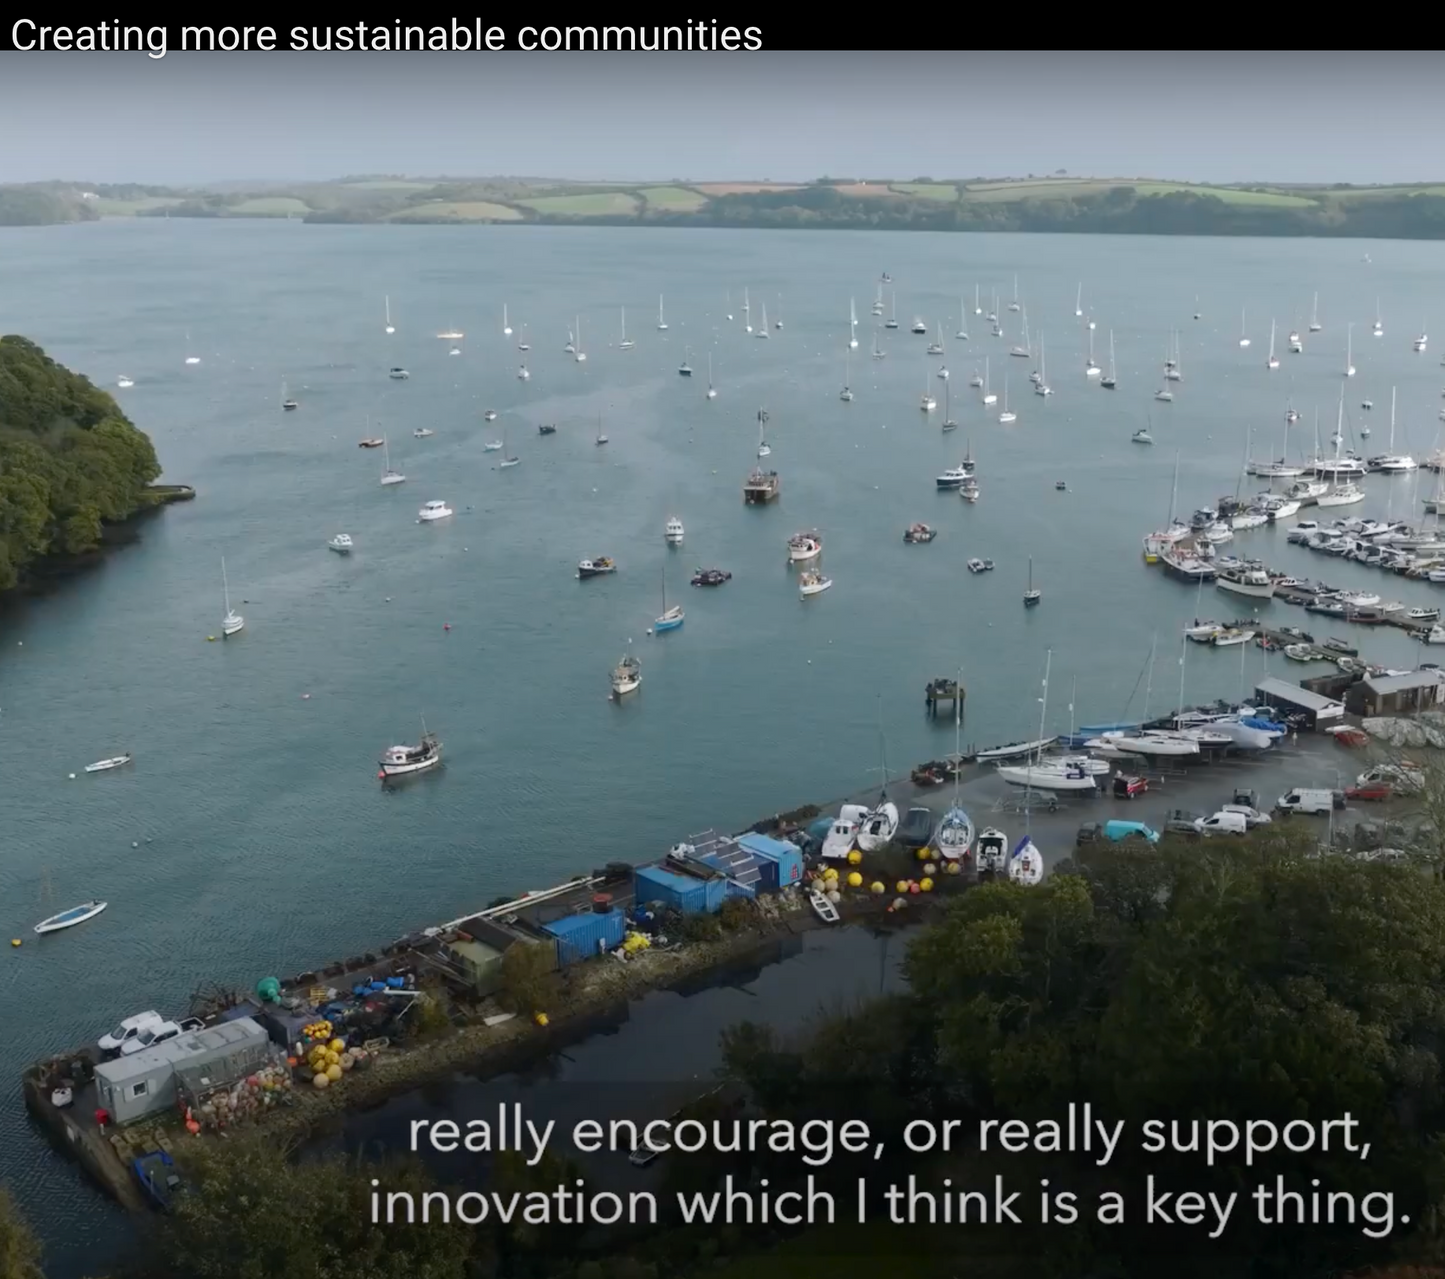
780	862
584	936
479	962
1397	694
724	854
151	1081
1292	698
690	894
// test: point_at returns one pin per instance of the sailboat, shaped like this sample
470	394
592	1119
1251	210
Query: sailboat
936	346
927	403
878	826
1032	595
685	368
1243	329
954	836
579	354
728	304
763	449
948	423
1025	865
711	389
601	438
1350	350
1273	361
878	352
778	323
288	405
190	359
1109	381
846	394
1006	416
1042	387
747	312
1015	305
962	334
232	623
626	343
853	319
1079	302
1022	351
1090	368
390	327
892	321
878	300
762	329
988	396
508	459
1379	329
1315	325
670	618
388	476
662	320
977	310
506	323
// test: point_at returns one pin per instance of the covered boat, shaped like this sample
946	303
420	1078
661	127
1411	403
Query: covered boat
1026	865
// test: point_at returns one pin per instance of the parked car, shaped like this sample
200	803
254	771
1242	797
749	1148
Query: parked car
1373	792
1127	786
117	1039
916	828
1249	798
1311	800
158	1033
1118	832
1182	822
1252	816
1222	823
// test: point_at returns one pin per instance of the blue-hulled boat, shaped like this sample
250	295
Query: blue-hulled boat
156	1172
671	618
1098	730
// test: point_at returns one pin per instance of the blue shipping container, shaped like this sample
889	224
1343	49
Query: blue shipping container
585	936
682	892
780	861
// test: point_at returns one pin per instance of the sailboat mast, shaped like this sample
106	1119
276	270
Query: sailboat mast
225	585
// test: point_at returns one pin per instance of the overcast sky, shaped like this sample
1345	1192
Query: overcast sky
1224	117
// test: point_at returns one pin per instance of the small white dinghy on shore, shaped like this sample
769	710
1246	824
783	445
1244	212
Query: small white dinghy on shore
69	918
822	907
105	765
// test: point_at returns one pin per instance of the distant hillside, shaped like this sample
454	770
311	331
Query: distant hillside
1140	206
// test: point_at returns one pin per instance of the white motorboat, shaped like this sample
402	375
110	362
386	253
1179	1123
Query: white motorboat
841	840
451	335
1230	636
232	622
119	761
433	511
626	675
492	446
822	907
398	374
976	565
401	761
69	918
1016	750
1026	864
490	415
879	826
422	433
1423	615
1142	436
811	583
954	476
673	531
1253	582
991	851
1203	632
124	382
1049	775
803	547
341	543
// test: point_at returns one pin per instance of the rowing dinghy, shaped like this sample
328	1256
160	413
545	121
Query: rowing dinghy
69	918
822	907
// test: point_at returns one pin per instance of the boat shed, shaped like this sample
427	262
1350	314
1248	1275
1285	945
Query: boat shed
689	893
780	862
585	936
155	1079
1421	690
726	854
1291	698
479	963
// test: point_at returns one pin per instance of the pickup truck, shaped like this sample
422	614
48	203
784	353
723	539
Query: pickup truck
158	1033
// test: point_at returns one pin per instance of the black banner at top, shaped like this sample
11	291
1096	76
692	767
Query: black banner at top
445	35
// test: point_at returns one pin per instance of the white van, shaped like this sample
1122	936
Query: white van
1223	822
128	1030
1307	800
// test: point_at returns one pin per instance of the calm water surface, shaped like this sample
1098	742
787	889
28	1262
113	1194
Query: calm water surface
251	838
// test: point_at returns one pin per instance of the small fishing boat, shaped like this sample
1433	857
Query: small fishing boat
341	544
125	382
673	532
991	851
490	415
70	918
492	446
597	566
1142	436
105	765
433	511
976	565
422	433
626	675
371	442
840	840
1026	865
398	375
919	533
822	907
402	761
812	583
804	546
547	429
711	577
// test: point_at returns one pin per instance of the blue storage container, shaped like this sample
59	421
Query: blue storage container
780	862
586	936
682	892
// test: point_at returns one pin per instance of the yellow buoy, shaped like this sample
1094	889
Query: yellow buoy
831	873
855	880
923	854
902	885
336	1046
540	1018
925	885
333	1072
855	857
320	1081
952	868
876	888
15	941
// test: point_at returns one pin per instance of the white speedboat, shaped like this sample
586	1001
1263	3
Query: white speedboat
124	382
626	676
433	511
493	446
879	826
991	851
1253	582
490	415
841	840
810	583
803	547
523	373
422	433
1026	865
341	543
673	532
69	918
401	761
119	761
1142	436
398	375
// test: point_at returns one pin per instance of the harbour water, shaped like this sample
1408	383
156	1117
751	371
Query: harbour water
250	837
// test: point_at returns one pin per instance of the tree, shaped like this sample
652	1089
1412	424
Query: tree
19	1248
529	979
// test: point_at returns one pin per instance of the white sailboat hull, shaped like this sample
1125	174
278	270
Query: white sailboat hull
1151	745
1026	866
417	766
878	828
1044	777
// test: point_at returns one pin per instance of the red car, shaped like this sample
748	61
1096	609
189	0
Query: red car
1375	790
1126	787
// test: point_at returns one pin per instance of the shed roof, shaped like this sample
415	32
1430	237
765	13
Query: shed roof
1283	691
767	846
475	952
570	924
1383	685
182	1048
728	855
669	878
